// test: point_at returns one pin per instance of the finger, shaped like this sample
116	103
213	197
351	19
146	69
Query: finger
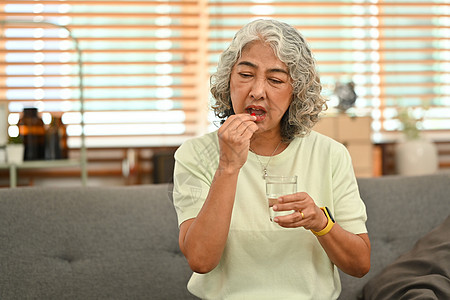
245	117
293	206
245	127
249	129
236	124
239	118
302	215
308	219
291	225
247	123
300	196
290	221
242	134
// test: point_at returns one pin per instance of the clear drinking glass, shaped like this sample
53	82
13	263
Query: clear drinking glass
277	186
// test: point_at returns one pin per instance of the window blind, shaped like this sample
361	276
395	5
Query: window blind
146	64
396	52
139	65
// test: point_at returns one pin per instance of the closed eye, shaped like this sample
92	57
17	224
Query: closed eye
276	81
245	75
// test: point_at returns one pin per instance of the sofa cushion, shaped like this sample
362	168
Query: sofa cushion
90	243
422	273
400	210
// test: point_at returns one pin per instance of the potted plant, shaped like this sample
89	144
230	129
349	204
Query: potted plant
415	154
14	150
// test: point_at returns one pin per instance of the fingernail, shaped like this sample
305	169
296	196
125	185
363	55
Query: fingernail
275	207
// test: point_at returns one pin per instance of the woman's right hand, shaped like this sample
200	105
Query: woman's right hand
234	141
203	238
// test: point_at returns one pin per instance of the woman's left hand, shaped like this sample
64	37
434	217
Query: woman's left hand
349	252
306	213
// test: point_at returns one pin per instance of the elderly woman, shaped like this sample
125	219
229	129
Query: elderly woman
267	93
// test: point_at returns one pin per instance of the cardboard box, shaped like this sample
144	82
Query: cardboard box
353	129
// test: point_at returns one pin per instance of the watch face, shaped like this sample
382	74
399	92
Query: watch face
329	213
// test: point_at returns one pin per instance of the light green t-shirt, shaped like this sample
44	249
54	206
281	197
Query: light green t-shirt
262	260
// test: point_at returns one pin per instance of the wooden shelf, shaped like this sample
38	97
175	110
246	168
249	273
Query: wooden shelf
39	164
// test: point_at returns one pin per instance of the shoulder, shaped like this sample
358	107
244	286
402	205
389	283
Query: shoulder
323	147
206	145
197	159
322	142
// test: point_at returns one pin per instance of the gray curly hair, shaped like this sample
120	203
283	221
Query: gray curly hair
291	48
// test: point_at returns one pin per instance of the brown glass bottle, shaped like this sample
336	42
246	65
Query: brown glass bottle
32	131
56	140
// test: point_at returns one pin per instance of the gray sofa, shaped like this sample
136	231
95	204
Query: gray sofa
122	242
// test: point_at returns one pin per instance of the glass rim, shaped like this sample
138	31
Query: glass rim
281	178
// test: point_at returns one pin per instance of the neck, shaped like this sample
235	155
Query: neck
266	146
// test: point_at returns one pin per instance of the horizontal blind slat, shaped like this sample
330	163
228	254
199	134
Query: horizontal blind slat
384	47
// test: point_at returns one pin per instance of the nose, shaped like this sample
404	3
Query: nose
258	91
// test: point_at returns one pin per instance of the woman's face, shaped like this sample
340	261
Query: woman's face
260	84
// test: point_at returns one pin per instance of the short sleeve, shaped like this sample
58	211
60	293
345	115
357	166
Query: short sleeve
195	164
349	210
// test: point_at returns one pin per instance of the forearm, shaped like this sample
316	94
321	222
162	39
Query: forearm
348	251
206	235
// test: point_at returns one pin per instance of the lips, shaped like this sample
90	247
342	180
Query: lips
258	111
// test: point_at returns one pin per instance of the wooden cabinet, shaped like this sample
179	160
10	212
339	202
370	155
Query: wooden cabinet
355	133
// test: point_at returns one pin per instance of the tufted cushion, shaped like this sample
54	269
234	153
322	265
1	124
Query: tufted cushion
90	243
